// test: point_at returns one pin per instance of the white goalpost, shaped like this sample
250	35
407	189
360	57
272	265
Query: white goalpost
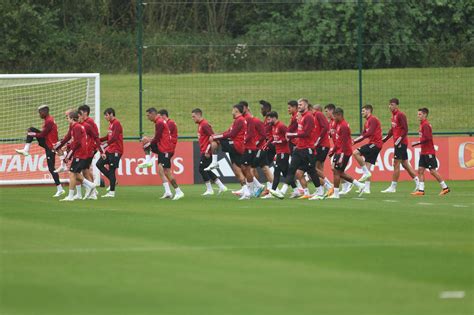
20	96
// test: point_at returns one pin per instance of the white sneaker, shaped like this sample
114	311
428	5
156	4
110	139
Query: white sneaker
333	196
296	194
77	197
68	199
212	166
244	197
365	177
347	190
361	192
222	190
389	190
60	169
237	192
364	191
89	191
317	197
59	193
267	196
92	196
166	196
178	195
110	194
276	193
145	165
22	152
208	193
108	187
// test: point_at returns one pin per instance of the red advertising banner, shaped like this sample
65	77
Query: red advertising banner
448	153
455	159
181	165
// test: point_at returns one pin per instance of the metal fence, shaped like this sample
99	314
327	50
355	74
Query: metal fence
214	75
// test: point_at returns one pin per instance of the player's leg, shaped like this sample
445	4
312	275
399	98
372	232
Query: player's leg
50	160
75	167
337	183
113	160
395	176
411	172
421	175
290	176
360	155
29	139
444	187
214	162
203	163
147	148
81	164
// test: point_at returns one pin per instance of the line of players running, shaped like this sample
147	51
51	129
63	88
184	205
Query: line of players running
81	143
252	143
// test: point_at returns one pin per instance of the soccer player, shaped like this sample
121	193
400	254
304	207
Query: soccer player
204	133
113	150
93	142
428	155
265	108
162	145
282	149
79	154
46	138
248	159
367	154
322	146
329	112
232	142
342	152
292	128
302	157
399	131
261	159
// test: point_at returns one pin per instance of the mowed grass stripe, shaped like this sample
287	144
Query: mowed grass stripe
139	255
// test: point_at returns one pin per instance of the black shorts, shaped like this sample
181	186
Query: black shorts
321	154
370	152
248	158
401	152
77	165
282	163
261	159
89	162
112	159
428	161
165	159
303	159
228	146
340	161
271	152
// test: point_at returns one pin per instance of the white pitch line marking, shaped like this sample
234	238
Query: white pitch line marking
460	206
425	204
390	200
452	295
85	250
359	198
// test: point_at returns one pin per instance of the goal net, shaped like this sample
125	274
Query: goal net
20	97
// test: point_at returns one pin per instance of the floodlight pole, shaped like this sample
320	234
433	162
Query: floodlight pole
140	5
360	14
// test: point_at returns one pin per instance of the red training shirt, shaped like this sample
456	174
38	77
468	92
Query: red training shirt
279	140
343	140
204	132
49	131
426	138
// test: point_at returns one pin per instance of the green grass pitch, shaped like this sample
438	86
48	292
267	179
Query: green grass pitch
136	254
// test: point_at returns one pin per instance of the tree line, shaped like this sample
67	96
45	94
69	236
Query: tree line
233	35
